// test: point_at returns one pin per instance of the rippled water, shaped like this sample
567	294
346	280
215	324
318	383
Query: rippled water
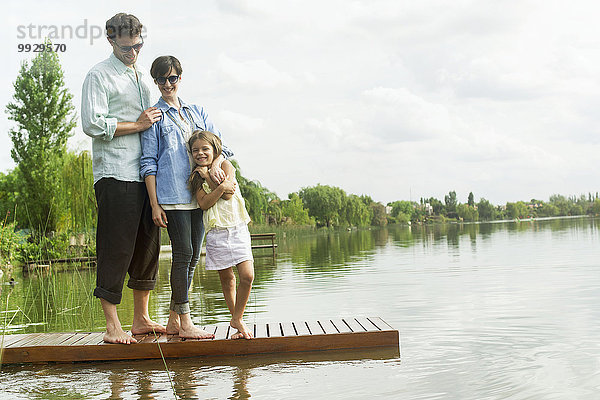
488	311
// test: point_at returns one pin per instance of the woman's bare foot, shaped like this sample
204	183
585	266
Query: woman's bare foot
242	330
118	336
188	330
173	324
146	325
194	332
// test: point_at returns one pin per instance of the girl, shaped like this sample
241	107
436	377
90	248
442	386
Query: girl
226	222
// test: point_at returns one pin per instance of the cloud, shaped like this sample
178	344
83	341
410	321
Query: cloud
240	123
397	115
252	74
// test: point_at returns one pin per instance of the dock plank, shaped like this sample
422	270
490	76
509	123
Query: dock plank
10	339
315	328
222	332
368	325
92	339
328	327
380	323
288	329
24	341
354	325
44	338
341	325
75	338
299	336
260	331
301	328
164	338
150	338
210	329
274	329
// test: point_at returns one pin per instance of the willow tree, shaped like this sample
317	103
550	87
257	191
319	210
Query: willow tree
44	116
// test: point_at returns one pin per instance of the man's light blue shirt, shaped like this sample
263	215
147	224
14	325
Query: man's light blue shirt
165	151
113	93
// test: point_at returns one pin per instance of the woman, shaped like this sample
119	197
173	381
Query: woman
166	165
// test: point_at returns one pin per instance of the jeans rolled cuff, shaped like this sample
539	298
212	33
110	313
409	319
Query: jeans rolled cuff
141	284
111	297
180	308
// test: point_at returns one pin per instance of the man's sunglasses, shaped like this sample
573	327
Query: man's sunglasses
127	49
161	80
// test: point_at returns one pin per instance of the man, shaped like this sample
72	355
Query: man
115	108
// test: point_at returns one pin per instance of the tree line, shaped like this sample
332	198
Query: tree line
432	209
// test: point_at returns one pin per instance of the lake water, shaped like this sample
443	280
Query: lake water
485	311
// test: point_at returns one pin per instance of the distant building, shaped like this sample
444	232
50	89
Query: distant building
428	209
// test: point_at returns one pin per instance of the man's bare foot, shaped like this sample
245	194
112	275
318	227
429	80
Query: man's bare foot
242	330
118	336
146	325
193	332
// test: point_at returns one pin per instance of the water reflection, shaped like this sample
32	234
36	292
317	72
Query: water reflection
485	311
198	378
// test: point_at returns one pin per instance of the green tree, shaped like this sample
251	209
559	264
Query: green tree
487	211
324	203
467	213
595	209
402	210
547	210
9	196
379	214
437	205
43	112
471	200
561	203
76	195
261	203
450	200
357	213
516	210
295	211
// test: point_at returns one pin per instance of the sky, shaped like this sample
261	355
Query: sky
394	99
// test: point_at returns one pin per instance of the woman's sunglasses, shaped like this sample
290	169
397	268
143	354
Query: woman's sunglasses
161	80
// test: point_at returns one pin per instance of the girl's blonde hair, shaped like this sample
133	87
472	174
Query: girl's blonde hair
195	180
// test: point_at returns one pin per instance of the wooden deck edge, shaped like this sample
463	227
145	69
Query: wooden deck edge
199	348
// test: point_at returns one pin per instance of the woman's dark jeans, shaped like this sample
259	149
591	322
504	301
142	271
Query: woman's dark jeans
186	231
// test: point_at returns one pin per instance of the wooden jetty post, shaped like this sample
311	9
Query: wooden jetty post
278	337
264	237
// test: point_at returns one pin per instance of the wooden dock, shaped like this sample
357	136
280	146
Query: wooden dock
264	237
320	335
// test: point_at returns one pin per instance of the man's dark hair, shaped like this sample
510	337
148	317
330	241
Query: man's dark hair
123	24
163	64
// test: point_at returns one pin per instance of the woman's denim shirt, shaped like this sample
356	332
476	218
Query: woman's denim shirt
165	152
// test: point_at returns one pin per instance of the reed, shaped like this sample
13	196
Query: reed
165	364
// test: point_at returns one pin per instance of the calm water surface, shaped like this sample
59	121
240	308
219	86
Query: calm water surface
489	311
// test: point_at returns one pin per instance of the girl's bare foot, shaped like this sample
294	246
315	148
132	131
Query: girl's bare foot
118	336
242	330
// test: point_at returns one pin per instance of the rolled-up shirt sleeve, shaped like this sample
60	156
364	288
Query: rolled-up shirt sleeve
94	109
149	159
